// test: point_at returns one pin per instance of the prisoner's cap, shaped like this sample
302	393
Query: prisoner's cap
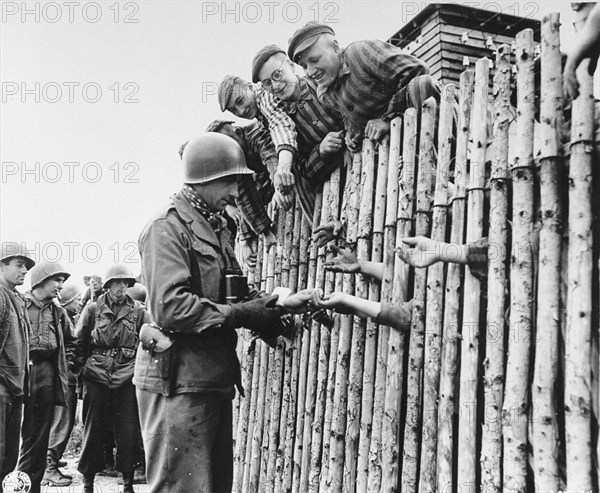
305	37
227	88
261	57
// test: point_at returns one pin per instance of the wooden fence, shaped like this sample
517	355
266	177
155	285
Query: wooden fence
495	386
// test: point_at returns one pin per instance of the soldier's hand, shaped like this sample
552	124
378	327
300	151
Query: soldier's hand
234	213
259	315
333	142
345	261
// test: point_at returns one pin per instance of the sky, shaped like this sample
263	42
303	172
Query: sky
98	96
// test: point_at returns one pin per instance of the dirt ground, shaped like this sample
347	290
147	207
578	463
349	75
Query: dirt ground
103	484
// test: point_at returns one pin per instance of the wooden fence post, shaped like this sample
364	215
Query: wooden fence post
434	315
467	422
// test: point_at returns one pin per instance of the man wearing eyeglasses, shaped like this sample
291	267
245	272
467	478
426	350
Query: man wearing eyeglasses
320	132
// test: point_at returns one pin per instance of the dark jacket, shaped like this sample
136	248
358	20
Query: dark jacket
66	344
183	265
14	341
107	341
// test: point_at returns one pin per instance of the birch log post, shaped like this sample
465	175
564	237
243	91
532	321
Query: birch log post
295	285
276	376
333	282
315	279
467	424
309	369
303	364
269	370
392	430
493	382
357	352
329	213
414	389
389	255
370	361
449	370
338	424
434	315
516	400
545	427
578	378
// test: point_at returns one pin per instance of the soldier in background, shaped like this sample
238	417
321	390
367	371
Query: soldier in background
14	331
50	349
107	339
64	416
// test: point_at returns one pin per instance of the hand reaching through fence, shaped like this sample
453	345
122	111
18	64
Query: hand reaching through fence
345	261
328	232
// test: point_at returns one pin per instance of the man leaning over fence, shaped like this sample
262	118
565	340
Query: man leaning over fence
369	82
320	130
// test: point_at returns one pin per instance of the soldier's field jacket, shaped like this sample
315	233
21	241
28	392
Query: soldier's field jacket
183	265
107	339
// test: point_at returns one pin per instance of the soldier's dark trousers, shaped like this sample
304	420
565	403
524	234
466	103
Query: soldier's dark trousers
11	412
103	405
188	443
62	426
38	414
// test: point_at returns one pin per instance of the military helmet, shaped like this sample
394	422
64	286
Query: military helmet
119	272
137	292
12	249
68	294
212	156
45	270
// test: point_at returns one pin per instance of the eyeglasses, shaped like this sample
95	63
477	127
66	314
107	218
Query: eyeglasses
276	76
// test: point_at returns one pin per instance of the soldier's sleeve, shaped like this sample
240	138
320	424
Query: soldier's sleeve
70	340
82	337
167	270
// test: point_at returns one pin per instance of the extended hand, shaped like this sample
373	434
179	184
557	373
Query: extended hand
270	240
300	302
283	201
284	180
335	301
345	261
423	251
327	232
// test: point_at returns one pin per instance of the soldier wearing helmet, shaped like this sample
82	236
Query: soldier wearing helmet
107	339
187	372
64	416
51	347
14	329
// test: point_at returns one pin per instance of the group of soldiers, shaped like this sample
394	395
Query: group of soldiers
44	366
172	366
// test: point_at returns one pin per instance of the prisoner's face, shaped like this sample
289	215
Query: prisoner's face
278	76
242	102
321	60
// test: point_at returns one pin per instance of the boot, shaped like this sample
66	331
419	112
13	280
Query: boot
52	476
128	482
88	484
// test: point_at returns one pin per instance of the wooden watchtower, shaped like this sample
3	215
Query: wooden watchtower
443	34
